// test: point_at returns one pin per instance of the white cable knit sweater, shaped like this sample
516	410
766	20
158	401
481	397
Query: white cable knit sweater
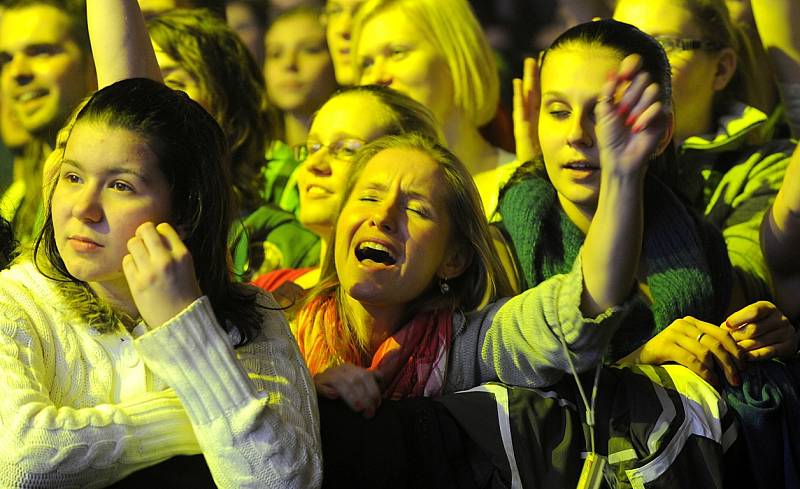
64	423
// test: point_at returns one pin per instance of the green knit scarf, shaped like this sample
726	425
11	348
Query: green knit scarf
687	264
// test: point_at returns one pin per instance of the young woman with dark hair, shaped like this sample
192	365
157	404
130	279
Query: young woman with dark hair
125	341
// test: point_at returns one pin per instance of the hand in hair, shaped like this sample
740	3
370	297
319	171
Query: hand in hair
527	100
356	386
762	331
160	273
631	120
702	347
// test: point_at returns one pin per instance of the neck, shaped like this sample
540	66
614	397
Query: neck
296	125
116	294
581	216
464	140
374	323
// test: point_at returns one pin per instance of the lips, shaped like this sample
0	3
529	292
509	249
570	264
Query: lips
376	252
82	243
313	190
581	165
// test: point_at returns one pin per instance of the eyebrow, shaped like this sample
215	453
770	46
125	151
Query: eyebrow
114	170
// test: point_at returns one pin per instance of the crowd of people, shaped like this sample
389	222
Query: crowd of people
309	244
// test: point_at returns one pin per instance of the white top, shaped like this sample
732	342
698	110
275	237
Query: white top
80	409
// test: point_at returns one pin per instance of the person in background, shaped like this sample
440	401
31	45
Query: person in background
298	70
199	54
726	169
248	19
46	68
153	7
338	20
435	52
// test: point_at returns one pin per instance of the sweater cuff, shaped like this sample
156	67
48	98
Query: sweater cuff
191	353
569	312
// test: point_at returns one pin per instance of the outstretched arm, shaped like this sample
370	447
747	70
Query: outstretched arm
780	241
120	44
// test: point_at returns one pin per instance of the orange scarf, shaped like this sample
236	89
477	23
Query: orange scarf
412	361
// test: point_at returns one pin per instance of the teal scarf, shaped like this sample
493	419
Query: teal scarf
687	264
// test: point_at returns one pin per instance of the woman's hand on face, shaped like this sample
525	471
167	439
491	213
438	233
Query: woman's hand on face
630	119
762	331
356	386
160	273
527	99
697	345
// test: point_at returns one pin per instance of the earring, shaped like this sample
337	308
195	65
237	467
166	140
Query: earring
443	285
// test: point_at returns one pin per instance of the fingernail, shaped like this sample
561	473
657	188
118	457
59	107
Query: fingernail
638	129
623	109
630	120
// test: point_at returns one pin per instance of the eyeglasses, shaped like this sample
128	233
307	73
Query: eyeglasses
343	149
671	44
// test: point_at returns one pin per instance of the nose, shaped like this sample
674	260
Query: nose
318	163
581	131
290	61
385	216
87	206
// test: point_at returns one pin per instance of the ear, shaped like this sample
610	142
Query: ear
726	68
669	131
456	260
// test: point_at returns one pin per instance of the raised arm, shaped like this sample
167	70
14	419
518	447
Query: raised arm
780	241
631	122
777	22
120	44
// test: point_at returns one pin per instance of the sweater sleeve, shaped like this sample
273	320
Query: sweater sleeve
253	411
43	444
516	340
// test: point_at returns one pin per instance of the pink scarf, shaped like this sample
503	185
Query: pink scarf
412	361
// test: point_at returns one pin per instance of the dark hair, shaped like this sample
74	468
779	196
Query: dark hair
484	278
624	39
7	243
214	55
75	10
192	154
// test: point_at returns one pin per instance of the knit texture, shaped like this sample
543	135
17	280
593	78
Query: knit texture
252	412
687	267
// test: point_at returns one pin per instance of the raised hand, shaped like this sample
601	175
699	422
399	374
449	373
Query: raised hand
356	386
631	119
525	113
700	346
160	273
762	331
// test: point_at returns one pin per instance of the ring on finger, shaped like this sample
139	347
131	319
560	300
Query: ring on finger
700	336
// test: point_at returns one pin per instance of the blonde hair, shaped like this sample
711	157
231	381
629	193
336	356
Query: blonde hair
453	29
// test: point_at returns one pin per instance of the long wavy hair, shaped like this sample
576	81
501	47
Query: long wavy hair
227	74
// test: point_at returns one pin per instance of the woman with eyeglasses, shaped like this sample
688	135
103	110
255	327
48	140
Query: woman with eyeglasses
728	168
350	119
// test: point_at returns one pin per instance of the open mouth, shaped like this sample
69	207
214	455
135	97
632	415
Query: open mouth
581	165
375	252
